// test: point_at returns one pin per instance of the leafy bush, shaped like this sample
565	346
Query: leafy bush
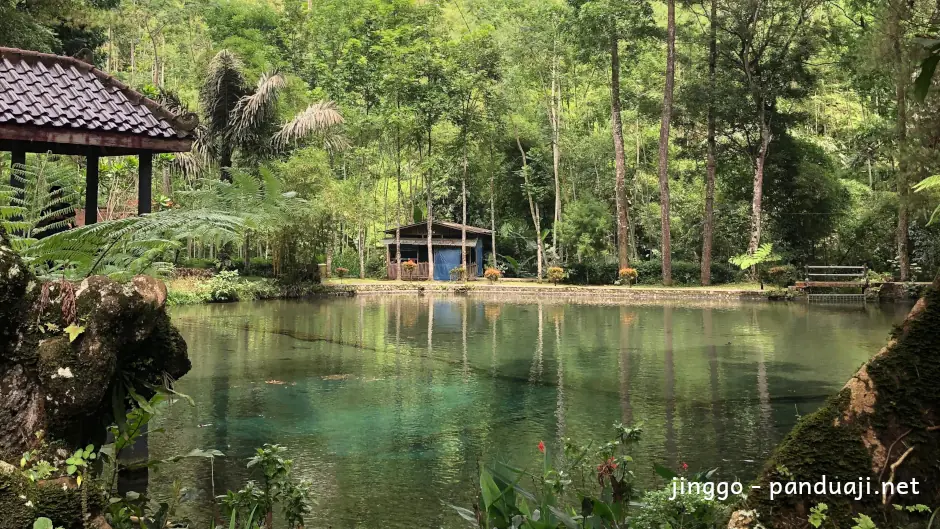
686	511
205	264
341	271
374	264
492	274
684	273
224	287
556	274
782	276
601	270
587	486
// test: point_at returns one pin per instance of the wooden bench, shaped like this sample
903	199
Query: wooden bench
820	276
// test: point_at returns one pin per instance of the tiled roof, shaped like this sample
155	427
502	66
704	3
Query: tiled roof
446	224
46	90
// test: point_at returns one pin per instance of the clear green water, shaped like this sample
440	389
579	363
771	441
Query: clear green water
388	404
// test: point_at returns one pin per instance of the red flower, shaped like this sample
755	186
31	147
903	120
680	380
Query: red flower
685	466
541	447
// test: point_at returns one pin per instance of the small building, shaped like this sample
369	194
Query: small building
446	241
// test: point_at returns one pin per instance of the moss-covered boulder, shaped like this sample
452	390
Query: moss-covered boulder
67	350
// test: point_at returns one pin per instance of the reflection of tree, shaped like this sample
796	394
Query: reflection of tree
763	388
623	359
559	359
491	312
493	349
463	332
670	387
535	373
713	379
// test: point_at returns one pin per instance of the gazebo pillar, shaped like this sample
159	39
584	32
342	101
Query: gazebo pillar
91	189
144	183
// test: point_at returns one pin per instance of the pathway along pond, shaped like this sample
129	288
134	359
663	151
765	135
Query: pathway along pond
388	404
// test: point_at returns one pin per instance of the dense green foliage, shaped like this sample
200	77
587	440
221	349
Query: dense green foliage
381	112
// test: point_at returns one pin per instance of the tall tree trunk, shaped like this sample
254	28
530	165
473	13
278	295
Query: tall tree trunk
430	215
360	239
492	208
664	142
554	118
463	225
620	166
329	254
712	163
167	182
757	200
398	220
899	14
533	210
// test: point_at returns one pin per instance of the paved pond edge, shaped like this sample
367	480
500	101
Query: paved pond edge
550	291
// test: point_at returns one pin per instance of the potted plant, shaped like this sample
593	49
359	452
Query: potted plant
628	275
409	266
458	273
556	274
493	274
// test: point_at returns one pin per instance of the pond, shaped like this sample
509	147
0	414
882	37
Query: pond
389	404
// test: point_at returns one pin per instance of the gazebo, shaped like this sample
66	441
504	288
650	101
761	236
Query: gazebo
446	241
63	105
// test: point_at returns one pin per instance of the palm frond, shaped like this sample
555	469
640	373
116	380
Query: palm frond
316	118
258	109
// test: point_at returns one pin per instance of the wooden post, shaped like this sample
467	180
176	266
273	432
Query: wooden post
144	183
91	189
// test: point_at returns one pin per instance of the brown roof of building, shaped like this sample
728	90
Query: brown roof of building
43	90
446	224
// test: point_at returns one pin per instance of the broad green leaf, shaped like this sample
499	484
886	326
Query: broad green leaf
42	523
74	331
488	488
927	68
664	472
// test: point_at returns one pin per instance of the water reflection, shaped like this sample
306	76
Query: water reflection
388	404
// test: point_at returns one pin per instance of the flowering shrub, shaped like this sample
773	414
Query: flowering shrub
458	273
628	275
492	274
341	272
556	274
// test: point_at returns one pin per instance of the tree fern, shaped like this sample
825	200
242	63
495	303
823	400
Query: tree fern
219	213
764	254
41	203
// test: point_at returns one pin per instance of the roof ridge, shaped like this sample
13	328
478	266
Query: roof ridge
182	124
